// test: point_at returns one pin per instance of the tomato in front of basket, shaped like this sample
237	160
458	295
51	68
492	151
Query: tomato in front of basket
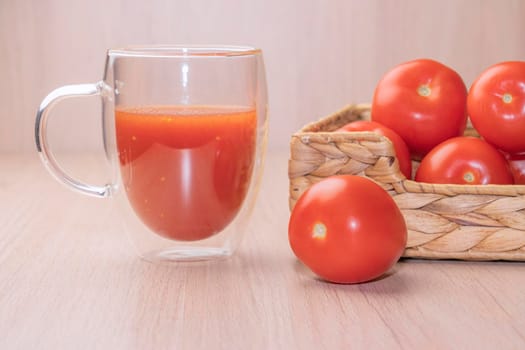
347	229
464	160
400	147
496	105
422	100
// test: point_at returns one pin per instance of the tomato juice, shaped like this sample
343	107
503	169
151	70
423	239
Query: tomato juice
186	169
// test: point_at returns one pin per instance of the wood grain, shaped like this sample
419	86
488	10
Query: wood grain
68	280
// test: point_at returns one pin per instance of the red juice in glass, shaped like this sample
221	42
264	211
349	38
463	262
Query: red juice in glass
186	169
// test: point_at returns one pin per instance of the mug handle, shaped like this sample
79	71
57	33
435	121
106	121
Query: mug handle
41	137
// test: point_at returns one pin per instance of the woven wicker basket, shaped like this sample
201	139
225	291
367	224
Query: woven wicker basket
481	222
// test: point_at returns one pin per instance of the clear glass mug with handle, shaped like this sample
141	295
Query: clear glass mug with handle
185	132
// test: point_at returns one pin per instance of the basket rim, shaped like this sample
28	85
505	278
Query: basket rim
314	130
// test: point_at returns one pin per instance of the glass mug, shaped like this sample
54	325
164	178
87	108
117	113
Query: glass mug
185	131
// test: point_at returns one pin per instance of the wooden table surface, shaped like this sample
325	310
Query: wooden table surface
69	280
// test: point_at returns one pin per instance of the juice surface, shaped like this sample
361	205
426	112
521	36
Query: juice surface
186	169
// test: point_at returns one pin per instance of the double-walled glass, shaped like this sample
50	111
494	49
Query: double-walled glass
185	131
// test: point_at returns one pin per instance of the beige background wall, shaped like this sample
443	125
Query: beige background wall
319	55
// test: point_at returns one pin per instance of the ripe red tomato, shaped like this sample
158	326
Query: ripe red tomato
347	229
496	105
423	101
401	148
464	160
517	167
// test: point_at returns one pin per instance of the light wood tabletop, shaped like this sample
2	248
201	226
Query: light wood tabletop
69	280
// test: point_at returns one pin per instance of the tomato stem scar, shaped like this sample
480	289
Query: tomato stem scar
468	177
319	230
424	90
507	98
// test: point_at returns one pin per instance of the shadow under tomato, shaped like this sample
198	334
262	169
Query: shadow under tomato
391	282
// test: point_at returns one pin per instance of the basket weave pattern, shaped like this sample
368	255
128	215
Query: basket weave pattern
480	222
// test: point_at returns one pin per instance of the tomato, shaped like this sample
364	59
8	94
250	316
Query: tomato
496	105
464	160
423	101
400	147
517	167
347	229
